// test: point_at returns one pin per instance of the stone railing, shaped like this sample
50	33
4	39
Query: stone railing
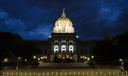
67	73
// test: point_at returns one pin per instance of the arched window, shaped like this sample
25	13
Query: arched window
63	42
63	48
56	42
56	48
70	42
71	48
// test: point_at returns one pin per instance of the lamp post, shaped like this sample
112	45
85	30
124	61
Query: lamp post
92	57
34	57
88	59
17	65
5	60
121	64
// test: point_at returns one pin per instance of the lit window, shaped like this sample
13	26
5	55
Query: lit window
71	48
63	48
56	48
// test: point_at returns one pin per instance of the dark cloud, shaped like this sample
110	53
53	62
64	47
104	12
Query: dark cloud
34	19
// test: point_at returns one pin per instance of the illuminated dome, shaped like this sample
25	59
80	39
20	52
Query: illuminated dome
63	25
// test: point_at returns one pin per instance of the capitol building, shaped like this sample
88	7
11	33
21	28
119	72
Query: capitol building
64	45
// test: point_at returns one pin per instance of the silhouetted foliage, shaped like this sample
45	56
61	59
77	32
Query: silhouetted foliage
27	49
7	42
109	51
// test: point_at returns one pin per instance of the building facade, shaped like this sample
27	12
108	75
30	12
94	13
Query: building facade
64	44
64	41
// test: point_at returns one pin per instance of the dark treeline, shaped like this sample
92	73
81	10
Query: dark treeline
13	46
111	49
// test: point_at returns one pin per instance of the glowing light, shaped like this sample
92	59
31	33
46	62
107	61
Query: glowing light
81	57
6	60
88	59
25	60
85	57
63	25
63	57
70	57
77	36
71	48
92	57
19	58
63	48
50	36
67	56
39	59
56	48
45	57
34	57
120	60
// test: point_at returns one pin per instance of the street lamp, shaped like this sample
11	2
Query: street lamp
85	57
5	60
38	59
17	65
120	60
92	57
19	58
121	64
70	57
34	57
88	58
41	58
25	60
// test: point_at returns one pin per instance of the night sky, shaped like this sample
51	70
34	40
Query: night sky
92	19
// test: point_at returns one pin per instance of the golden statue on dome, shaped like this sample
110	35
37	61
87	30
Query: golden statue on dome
63	14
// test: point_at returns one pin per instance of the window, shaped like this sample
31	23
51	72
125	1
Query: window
71	48
63	48
70	42
63	41
56	48
56	42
